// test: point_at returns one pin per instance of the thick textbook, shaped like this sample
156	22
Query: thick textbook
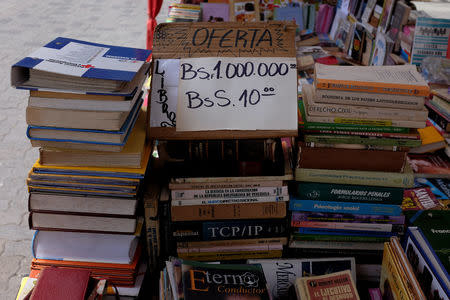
131	156
77	246
403	80
74	65
350	159
85	139
58	202
82	223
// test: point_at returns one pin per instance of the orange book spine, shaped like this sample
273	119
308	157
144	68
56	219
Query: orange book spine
373	87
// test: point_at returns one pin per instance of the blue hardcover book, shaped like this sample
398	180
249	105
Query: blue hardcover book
427	267
66	64
291	13
328	231
86	136
344	207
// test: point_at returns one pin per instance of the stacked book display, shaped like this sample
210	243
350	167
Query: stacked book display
352	169
84	112
239	216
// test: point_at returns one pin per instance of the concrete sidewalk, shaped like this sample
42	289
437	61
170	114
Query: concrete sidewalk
24	27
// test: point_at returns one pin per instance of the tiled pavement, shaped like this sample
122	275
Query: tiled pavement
25	26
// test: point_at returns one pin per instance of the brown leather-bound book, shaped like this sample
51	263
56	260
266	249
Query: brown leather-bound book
351	159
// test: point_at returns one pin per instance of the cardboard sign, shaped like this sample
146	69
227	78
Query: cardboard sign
237	94
251	64
164	93
232	39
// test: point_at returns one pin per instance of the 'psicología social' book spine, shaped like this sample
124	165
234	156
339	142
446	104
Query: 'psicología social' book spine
344	207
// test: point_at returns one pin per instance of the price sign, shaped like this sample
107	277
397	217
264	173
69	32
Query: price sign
237	93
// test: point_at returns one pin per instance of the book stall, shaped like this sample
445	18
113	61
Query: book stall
256	150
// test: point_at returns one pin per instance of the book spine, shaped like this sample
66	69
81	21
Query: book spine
192	202
230	248
365	133
349	193
440	107
338	238
328	231
335	245
229	193
306	125
258	241
350	218
440	120
368	122
229	211
349	139
402	180
218	230
344	207
225	185
370	99
372	87
343	226
391	274
215	256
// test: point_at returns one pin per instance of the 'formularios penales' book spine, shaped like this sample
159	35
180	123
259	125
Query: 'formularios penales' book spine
344	207
349	193
230	229
227	211
389	179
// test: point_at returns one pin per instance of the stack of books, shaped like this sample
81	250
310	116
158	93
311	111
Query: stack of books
180	12
85	114
352	168
230	215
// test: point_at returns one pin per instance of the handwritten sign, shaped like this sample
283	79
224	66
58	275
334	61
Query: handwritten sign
230	39
164	93
237	94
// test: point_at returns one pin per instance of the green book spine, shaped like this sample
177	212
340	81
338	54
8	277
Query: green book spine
349	193
349	139
344	127
337	238
386	179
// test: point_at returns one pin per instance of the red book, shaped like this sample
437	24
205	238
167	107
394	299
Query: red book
61	284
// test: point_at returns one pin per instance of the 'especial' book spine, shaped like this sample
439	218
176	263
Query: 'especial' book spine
229	211
337	238
224	230
344	207
298	216
354	139
349	193
227	193
350	226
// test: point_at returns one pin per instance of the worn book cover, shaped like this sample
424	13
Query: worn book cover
225	282
339	285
